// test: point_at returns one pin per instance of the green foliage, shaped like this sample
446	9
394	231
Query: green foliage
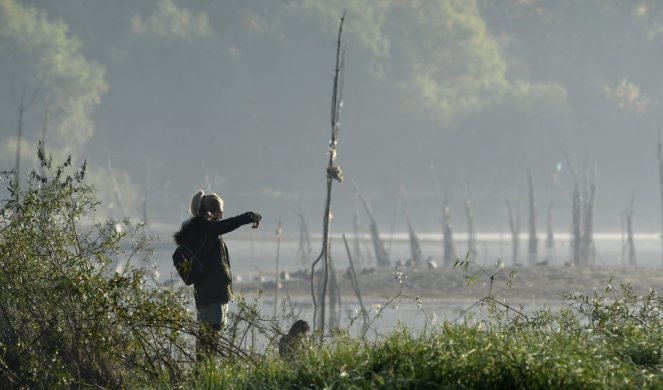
171	20
35	48
440	56
453	356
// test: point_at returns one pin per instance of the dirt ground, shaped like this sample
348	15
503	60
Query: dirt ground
535	283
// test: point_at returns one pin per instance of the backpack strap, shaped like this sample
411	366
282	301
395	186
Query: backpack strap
202	246
199	249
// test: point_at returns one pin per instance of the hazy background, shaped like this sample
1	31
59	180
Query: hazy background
234	97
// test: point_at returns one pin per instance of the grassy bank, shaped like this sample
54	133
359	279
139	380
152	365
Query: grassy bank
462	357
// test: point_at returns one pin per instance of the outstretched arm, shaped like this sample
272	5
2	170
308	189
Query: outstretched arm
227	225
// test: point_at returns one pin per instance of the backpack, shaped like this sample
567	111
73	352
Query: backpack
187	264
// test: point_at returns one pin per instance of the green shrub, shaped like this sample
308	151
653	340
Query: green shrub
67	318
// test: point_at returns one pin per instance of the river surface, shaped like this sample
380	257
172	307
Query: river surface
254	255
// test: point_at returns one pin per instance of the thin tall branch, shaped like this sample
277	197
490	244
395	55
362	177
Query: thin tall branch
381	254
333	172
22	105
304	251
355	286
449	252
116	190
660	178
276	279
630	242
514	225
576	216
533	243
550	236
397	209
471	234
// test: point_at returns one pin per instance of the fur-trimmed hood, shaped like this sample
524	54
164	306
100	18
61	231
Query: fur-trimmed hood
191	228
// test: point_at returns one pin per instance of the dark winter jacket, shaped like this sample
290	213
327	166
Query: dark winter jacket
204	237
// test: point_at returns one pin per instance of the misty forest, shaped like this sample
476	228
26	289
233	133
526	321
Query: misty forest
436	193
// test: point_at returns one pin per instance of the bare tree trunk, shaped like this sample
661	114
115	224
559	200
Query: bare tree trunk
514	225
22	104
576	217
42	140
622	216
279	231
632	260
355	287
533	243
116	190
381	255
415	248
304	250
471	234
334	295
397	209
588	250
449	253
660	179
550	236
576	238
333	173
355	227
447	230
146	197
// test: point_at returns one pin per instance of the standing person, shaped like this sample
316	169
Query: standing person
203	234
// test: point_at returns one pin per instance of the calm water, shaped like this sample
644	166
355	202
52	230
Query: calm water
255	254
258	252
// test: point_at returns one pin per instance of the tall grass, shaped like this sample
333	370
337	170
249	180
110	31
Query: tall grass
611	339
453	356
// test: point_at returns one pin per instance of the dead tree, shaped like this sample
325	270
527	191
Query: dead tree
449	252
355	287
533	243
550	236
22	103
333	292
117	193
471	234
622	218
660	179
630	242
355	228
514	225
416	255
42	140
447	230
399	200
587	249
415	248
381	254
334	295
333	173
146	197
279	232
304	250
576	217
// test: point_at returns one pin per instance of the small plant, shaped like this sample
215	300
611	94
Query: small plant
498	310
